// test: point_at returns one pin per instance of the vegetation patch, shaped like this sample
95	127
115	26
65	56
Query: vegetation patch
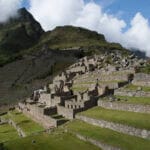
7	132
26	124
144	69
107	136
53	141
79	88
134	87
137	120
134	100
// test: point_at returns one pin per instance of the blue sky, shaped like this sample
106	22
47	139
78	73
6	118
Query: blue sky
25	3
128	8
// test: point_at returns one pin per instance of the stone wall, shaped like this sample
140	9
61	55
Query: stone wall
74	104
50	111
123	92
19	130
77	69
141	79
59	77
37	114
112	85
35	109
3	120
104	77
45	121
115	77
124	106
67	113
90	103
116	127
45	99
97	143
55	100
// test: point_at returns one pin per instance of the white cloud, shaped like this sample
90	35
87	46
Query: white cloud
8	8
138	35
52	13
94	18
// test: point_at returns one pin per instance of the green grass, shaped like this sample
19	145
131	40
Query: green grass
134	100
69	37
116	139
112	81
85	85
134	87
137	120
79	89
54	141
26	124
7	133
144	69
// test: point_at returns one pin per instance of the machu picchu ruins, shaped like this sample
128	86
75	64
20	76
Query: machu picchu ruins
82	86
85	94
69	87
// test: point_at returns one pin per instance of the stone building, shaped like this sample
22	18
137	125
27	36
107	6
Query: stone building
59	98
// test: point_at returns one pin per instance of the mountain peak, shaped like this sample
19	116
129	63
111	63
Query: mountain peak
19	33
24	15
23	9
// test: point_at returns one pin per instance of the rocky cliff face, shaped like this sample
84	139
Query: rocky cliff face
17	34
20	32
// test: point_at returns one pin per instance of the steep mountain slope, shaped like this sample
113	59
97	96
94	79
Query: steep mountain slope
17	34
70	37
19	78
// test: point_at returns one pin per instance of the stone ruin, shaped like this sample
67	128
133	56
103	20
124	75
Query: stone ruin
60	98
141	79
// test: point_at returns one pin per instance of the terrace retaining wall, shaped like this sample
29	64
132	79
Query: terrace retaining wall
45	121
116	127
67	113
141	79
97	143
125	107
123	92
19	130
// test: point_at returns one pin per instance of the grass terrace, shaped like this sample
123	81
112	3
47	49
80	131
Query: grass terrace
94	81
134	100
53	141
107	136
144	69
7	132
83	86
26	124
137	120
79	88
134	87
